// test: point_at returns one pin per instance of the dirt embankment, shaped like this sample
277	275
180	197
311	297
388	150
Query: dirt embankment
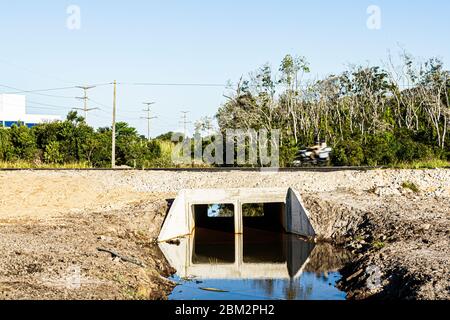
71	237
53	223
401	243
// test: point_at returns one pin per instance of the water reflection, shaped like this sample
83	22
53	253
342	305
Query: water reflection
256	265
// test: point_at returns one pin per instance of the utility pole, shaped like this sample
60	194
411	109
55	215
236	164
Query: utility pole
149	118
85	98
184	122
113	152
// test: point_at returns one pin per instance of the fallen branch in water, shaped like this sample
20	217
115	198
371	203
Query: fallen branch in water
168	280
121	257
213	290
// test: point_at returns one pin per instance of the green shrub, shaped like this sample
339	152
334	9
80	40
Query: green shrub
380	149
5	145
23	143
412	147
52	153
288	153
348	153
411	186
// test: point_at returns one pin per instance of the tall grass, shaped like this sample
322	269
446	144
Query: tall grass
165	161
20	164
425	164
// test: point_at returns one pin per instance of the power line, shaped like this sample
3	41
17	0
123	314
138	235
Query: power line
15	65
85	99
156	84
42	90
99	103
48	105
149	118
33	92
113	137
184	121
44	108
53	89
45	93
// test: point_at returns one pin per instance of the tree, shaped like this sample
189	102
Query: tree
52	153
23	143
367	113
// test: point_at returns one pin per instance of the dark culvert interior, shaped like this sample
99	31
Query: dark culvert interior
256	216
263	233
214	234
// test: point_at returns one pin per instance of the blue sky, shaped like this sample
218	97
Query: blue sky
195	42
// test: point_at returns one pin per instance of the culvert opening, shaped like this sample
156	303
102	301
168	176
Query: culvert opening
214	217
214	233
262	229
263	232
238	211
263	216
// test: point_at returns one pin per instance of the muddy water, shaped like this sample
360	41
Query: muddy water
258	265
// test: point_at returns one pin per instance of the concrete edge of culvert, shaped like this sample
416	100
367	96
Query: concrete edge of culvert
180	220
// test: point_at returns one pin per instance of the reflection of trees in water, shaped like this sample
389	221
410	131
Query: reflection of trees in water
326	258
269	287
266	285
293	290
322	276
290	289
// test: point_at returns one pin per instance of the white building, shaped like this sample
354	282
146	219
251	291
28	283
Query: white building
13	111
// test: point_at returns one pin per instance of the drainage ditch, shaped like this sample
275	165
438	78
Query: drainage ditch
262	262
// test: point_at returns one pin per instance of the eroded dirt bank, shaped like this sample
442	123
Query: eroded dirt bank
401	243
53	223
100	254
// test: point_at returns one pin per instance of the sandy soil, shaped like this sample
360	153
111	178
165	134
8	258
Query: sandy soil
53	223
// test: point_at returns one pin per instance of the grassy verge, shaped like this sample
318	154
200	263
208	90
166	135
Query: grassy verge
165	161
29	165
427	164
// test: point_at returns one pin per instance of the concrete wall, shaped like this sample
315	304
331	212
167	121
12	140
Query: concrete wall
180	257
298	219
180	220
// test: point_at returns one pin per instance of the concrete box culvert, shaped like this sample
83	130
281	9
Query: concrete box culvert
181	221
